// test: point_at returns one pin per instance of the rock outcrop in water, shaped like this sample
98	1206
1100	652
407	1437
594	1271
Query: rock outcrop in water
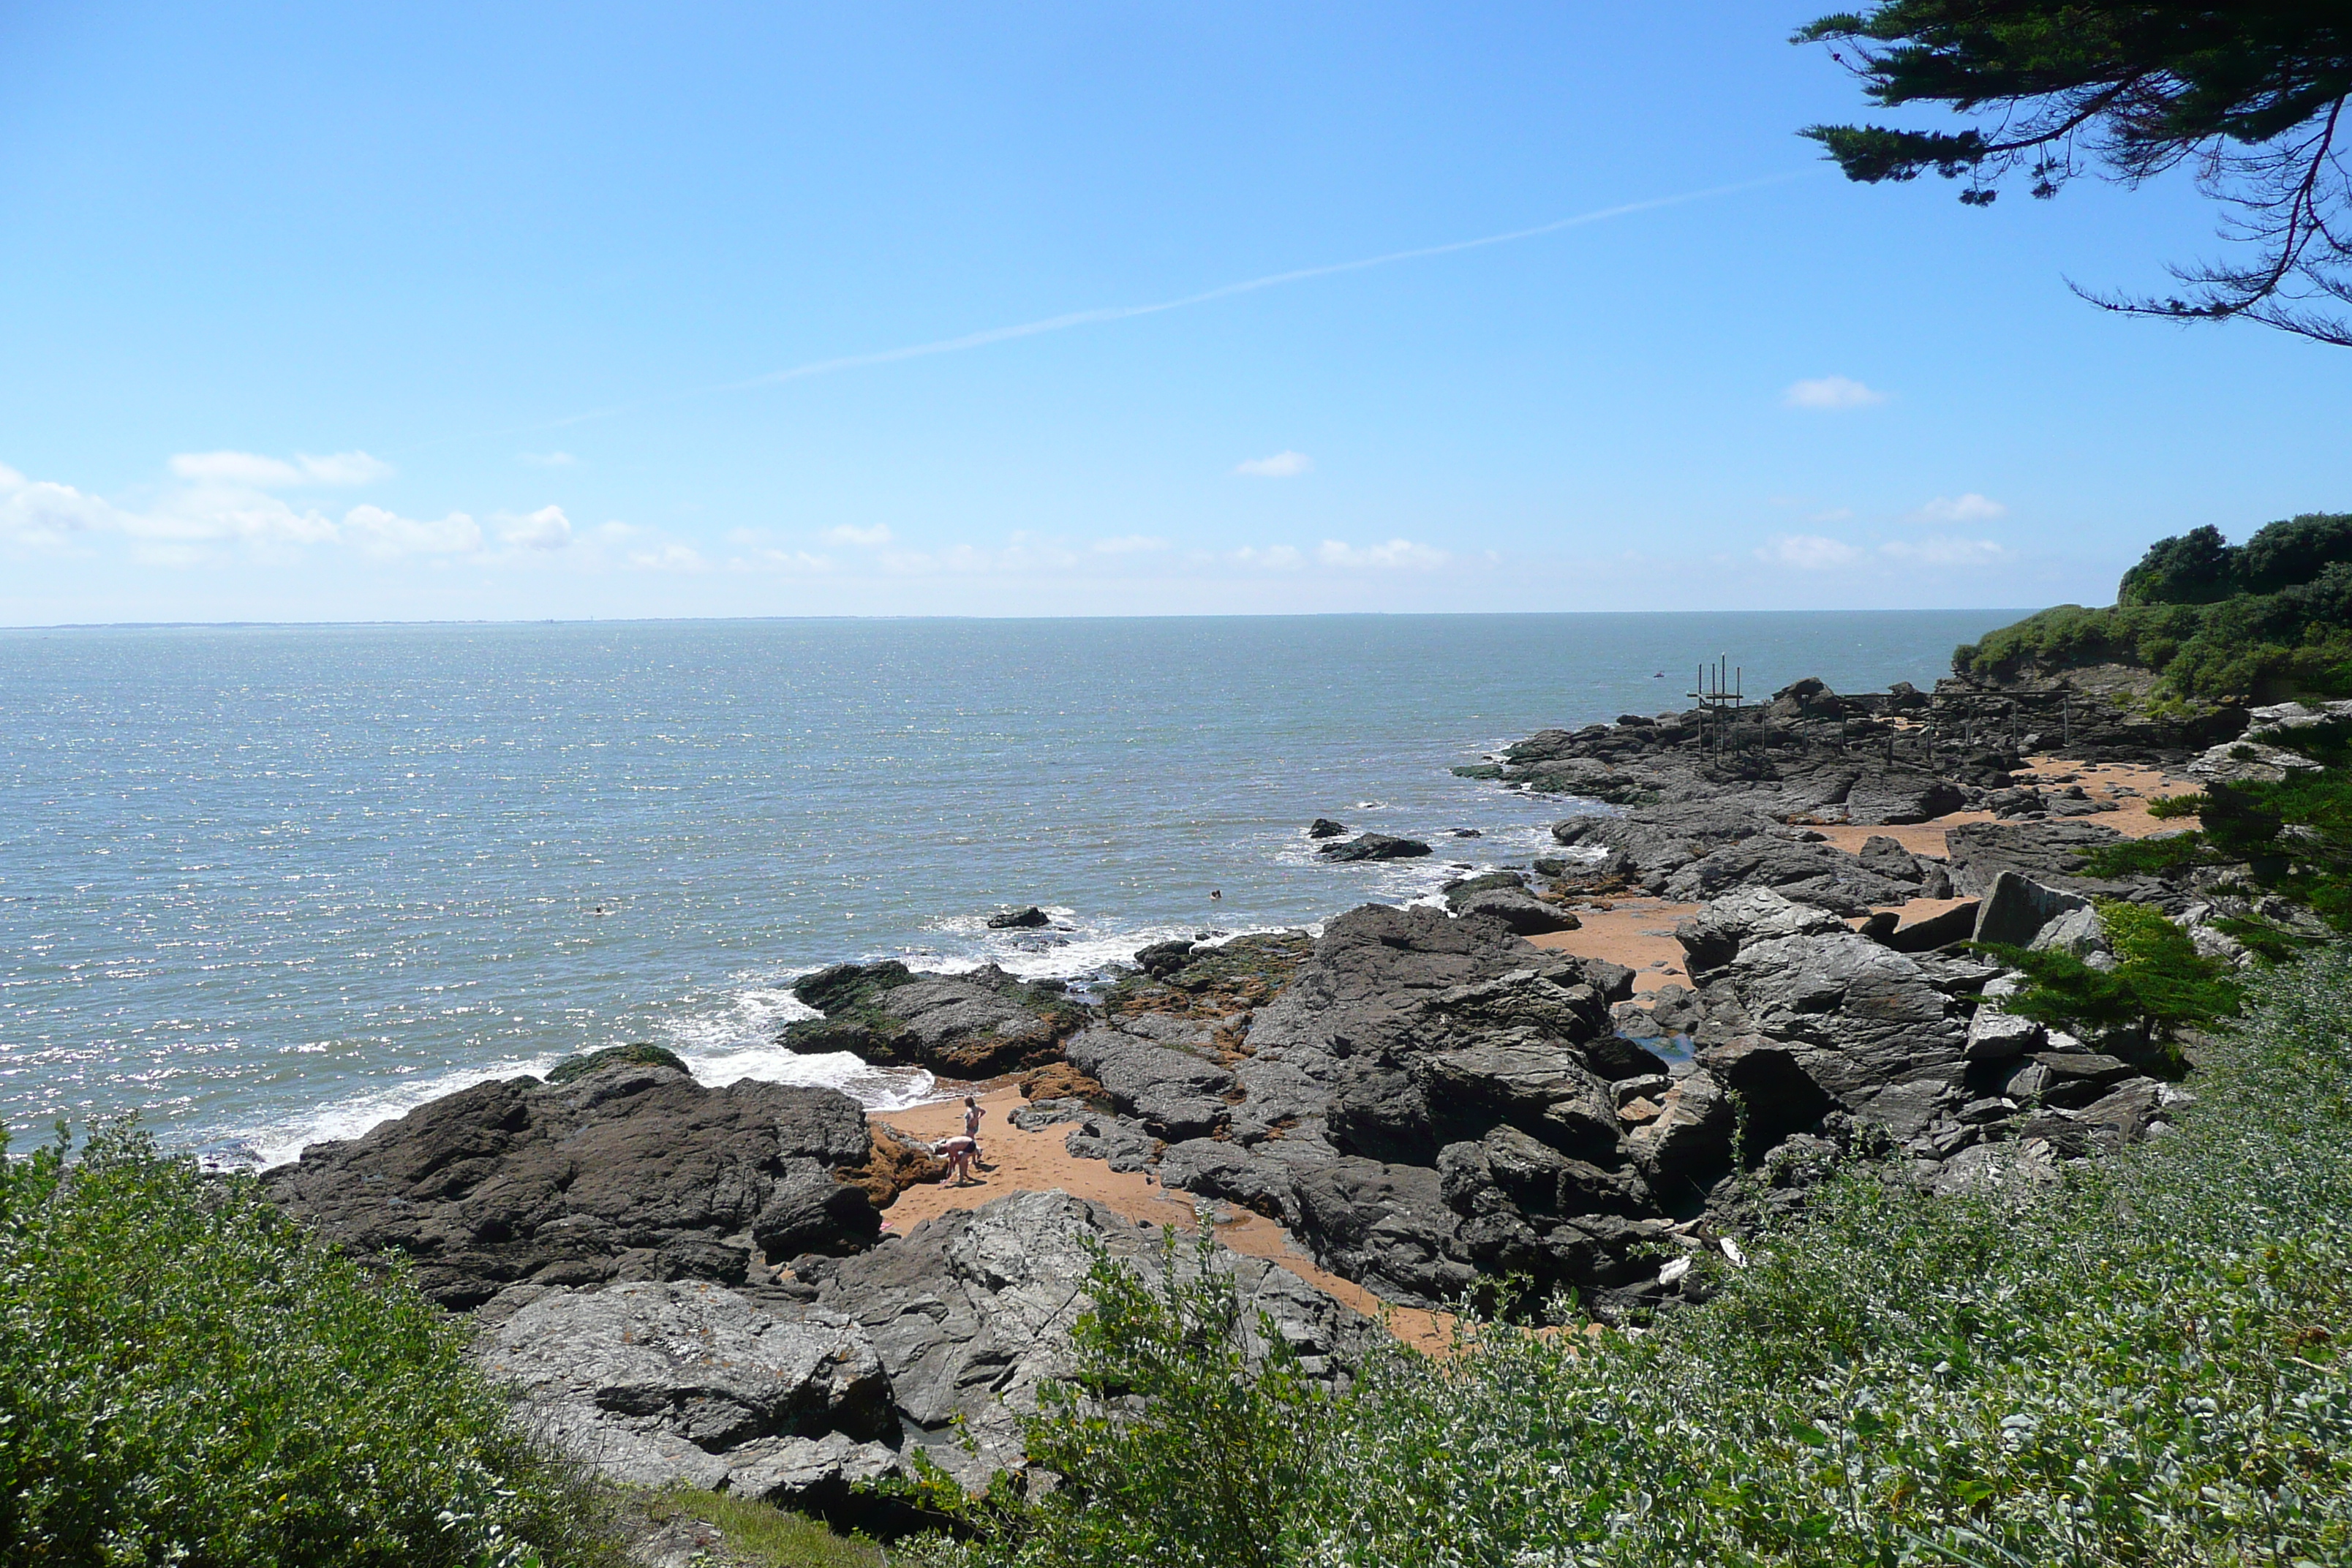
970	1025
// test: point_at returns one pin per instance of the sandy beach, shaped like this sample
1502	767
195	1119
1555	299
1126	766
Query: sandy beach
1018	1162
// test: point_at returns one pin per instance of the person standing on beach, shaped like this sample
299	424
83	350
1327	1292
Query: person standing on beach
972	1115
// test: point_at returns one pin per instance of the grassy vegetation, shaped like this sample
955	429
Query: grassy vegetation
754	1534
2137	1362
187	1377
2269	620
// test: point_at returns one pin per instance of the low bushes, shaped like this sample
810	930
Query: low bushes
187	1378
2135	1362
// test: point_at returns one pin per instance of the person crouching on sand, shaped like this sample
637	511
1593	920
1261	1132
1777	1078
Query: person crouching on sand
959	1151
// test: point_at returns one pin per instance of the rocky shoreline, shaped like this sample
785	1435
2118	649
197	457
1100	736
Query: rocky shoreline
693	1284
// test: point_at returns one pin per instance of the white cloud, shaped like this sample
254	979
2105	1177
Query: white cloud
668	558
254	471
768	559
877	535
1281	466
546	529
1969	508
1282	557
1831	392
43	514
548	459
1808	552
385	534
1129	545
1942	551
1396	552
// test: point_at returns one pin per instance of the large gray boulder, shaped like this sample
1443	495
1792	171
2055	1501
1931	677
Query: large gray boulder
1175	1093
1386	1226
2016	907
659	1384
633	1171
1815	873
1352	1005
1714	936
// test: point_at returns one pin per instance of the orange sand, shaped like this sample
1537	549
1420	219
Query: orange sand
1636	933
1018	1162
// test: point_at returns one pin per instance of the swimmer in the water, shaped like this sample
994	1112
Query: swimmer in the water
1216	893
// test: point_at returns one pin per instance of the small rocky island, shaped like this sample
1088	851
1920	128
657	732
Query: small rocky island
705	1284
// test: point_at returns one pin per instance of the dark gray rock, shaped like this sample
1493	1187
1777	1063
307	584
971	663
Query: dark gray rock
1029	917
1386	1226
1520	910
971	1025
2050	853
1215	1168
1888	858
1121	1143
1809	873
1356	1001
2015	910
633	1171
2069	1080
1039	1114
1324	827
1174	1093
1374	846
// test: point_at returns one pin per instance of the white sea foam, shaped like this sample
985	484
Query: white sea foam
355	1114
875	1089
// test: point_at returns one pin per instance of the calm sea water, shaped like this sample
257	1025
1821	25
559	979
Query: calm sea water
267	885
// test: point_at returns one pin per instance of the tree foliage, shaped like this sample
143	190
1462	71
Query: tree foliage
2249	95
2270	619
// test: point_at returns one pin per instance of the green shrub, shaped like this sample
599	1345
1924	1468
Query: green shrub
2159	983
188	1377
2138	1361
1171	1448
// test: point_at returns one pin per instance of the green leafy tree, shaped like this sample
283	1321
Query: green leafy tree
2249	95
2192	568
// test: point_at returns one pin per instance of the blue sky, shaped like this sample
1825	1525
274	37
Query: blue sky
460	312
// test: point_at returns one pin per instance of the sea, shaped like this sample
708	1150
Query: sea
267	885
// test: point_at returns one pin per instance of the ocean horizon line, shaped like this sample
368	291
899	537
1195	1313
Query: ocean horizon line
1256	616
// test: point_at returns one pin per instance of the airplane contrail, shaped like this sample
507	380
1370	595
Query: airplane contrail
1108	313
